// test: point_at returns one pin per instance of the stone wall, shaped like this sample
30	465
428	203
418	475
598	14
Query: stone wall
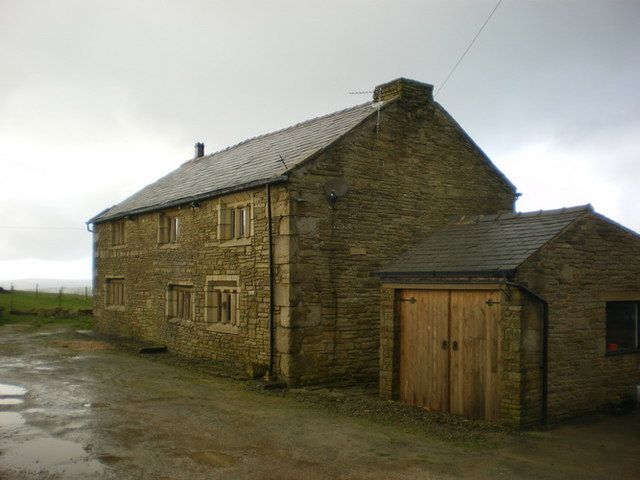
404	176
149	268
590	263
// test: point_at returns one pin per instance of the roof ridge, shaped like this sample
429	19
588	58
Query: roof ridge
281	130
465	219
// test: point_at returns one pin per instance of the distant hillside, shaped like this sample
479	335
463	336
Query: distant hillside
48	285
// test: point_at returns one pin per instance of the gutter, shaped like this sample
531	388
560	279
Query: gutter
459	273
271	282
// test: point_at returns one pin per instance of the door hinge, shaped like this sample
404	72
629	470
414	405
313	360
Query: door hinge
410	300
491	302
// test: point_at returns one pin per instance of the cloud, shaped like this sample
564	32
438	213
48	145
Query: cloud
602	170
98	99
79	269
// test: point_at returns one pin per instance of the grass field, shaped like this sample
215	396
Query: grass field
29	307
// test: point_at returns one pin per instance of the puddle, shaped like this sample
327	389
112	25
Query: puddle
11	390
111	459
11	401
53	457
10	420
95	405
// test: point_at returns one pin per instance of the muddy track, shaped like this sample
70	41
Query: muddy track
73	406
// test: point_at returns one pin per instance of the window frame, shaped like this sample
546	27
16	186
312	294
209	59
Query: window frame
235	222
168	228
115	293
180	295
636	326
222	310
118	233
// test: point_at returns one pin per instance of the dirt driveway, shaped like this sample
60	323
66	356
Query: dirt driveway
75	407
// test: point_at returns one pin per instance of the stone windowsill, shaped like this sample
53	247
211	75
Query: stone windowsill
181	322
236	242
622	352
210	327
168	246
222	328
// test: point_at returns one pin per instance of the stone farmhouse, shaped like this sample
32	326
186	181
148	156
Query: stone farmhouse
287	255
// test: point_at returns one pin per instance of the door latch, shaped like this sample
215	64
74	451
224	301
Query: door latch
410	300
491	302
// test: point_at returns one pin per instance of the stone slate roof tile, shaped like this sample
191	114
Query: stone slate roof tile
485	243
252	162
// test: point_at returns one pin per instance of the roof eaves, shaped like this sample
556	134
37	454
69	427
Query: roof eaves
182	201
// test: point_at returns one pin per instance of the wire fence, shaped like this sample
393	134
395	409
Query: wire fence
36	288
45	301
36	297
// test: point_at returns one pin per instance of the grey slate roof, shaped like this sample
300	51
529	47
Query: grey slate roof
489	244
253	162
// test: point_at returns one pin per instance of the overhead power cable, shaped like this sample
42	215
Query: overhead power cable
28	227
468	48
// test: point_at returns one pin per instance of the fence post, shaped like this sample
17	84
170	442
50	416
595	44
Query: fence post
86	294
11	300
60	297
36	289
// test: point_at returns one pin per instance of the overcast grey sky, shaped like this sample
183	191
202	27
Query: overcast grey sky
99	98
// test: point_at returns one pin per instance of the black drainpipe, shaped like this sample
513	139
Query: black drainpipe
270	244
545	347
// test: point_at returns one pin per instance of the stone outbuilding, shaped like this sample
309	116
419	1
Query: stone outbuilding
517	318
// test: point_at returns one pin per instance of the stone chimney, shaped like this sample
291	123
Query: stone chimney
405	89
199	150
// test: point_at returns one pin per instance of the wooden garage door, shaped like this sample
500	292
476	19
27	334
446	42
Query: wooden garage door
449	351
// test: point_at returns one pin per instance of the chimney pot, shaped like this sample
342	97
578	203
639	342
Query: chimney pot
199	150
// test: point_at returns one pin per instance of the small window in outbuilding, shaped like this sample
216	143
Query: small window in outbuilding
168	228
180	302
114	294
622	326
117	233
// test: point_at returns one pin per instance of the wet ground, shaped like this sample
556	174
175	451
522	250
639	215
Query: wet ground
75	407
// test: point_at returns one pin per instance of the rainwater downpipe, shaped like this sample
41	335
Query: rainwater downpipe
271	281
545	347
